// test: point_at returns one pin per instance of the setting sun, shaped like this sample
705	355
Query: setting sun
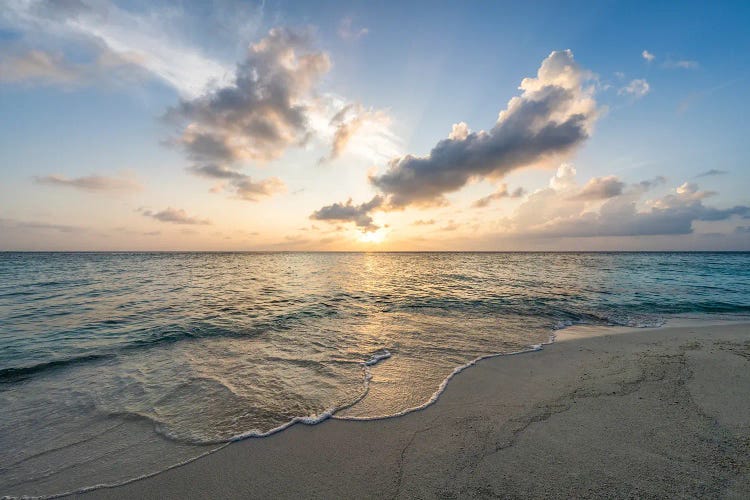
373	237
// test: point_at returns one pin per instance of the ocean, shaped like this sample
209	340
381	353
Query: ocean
118	365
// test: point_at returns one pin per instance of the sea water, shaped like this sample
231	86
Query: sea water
118	365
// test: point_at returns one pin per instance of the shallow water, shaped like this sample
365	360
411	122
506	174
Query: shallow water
145	360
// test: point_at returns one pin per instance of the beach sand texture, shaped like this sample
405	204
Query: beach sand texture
632	413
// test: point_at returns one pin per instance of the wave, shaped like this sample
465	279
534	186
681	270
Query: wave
154	337
376	357
16	374
383	354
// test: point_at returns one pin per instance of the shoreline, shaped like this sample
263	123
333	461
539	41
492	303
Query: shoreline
313	420
272	454
579	333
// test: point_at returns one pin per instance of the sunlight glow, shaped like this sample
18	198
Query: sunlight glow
373	236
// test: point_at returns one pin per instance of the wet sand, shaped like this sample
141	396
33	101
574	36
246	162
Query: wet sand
627	413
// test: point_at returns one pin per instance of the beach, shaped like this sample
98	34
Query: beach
599	413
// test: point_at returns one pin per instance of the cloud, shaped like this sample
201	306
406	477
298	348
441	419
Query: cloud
681	64
500	193
601	188
244	187
263	111
271	105
712	172
174	216
651	183
636	88
138	38
247	189
561	211
18	224
553	115
91	183
648	55
347	32
348	212
348	122
214	171
422	222
258	116
40	67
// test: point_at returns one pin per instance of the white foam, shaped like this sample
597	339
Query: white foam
444	384
311	419
376	358
329	413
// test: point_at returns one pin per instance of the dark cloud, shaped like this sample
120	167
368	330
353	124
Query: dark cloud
174	216
500	193
552	116
263	111
214	171
348	212
91	183
651	183
249	190
711	173
601	188
257	117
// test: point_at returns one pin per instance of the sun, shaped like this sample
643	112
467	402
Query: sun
373	236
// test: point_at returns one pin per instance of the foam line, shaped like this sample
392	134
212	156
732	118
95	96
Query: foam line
441	388
312	419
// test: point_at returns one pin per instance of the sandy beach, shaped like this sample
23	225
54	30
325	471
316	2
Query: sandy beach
620	413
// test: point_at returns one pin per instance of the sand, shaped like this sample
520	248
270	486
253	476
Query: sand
631	413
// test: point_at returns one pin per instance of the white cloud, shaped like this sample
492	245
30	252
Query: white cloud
138	38
566	209
648	55
363	132
682	64
636	88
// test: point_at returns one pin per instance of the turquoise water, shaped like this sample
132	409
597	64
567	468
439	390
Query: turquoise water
113	358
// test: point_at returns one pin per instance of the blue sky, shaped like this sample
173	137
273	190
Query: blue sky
92	158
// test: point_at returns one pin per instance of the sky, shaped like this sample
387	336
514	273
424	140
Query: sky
378	126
